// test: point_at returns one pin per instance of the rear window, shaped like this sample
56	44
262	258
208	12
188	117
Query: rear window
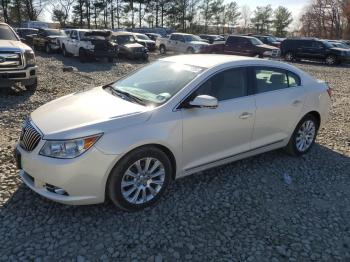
7	34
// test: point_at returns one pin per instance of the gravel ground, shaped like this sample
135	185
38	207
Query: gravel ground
244	211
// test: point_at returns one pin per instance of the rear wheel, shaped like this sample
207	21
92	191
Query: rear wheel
139	179
162	50
303	136
289	56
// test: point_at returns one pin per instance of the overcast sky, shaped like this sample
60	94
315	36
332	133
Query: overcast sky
295	6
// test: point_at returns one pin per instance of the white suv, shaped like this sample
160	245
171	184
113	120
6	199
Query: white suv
169	119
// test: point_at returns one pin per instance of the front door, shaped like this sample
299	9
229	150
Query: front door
211	135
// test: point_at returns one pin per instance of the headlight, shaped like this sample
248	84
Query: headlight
68	148
53	41
30	57
267	53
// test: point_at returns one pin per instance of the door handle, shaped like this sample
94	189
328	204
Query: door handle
245	115
296	102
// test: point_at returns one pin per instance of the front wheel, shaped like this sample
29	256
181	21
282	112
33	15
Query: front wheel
139	179
303	136
190	50
331	60
289	56
82	56
47	49
162	50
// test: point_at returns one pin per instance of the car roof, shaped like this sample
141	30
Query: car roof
122	33
207	60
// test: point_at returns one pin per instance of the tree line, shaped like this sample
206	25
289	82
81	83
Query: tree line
322	18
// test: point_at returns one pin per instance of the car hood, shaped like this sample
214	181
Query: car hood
267	47
133	45
9	45
69	116
146	41
56	36
198	43
340	49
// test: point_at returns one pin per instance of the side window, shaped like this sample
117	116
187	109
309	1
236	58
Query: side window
269	79
293	80
230	40
173	37
74	35
317	45
225	85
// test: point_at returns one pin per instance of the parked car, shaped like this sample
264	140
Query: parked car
313	49
213	38
153	36
182	43
17	60
24	32
339	44
145	41
268	40
128	46
245	46
177	116
90	44
46	40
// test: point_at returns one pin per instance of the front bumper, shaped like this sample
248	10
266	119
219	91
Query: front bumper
344	59
27	76
54	46
83	179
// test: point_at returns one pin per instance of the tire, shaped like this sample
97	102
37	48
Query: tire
48	49
82	56
32	87
134	193
162	49
294	146
190	50
64	51
289	56
331	60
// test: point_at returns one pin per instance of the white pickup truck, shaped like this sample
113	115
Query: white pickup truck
182	43
88	44
17	60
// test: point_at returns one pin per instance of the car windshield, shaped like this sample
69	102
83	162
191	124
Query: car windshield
124	39
272	39
143	37
340	45
156	83
7	34
327	44
55	32
190	38
256	41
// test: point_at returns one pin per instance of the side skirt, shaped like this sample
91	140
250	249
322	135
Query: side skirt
226	160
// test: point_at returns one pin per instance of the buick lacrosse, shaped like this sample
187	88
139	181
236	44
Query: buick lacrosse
179	115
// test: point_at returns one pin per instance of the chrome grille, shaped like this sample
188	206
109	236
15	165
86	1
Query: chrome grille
275	52
30	137
10	60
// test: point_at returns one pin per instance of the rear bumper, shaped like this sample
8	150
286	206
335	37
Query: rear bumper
27	76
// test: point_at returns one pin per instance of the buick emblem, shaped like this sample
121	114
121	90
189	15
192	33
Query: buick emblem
2	59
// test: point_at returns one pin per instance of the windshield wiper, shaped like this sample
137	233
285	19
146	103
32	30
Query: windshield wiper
124	94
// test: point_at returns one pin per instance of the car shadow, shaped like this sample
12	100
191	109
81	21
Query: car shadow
256	185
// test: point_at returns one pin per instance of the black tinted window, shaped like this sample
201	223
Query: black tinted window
268	79
225	85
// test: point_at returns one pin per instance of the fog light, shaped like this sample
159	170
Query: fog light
56	190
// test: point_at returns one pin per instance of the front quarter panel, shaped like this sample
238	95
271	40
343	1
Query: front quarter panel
163	128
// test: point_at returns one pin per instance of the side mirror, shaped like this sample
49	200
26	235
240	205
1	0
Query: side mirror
204	101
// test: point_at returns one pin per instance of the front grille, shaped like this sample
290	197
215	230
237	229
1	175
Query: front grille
30	137
275	52
10	60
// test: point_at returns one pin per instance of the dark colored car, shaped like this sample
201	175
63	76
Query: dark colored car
268	40
128	46
313	49
213	38
245	46
145	41
26	34
46	40
339	44
153	36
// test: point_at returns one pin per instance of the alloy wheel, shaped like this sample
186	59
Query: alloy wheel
330	60
305	136
289	56
143	180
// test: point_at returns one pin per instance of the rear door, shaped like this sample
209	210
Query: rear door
279	97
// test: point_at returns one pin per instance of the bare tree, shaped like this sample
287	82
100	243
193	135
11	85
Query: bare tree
246	14
64	7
